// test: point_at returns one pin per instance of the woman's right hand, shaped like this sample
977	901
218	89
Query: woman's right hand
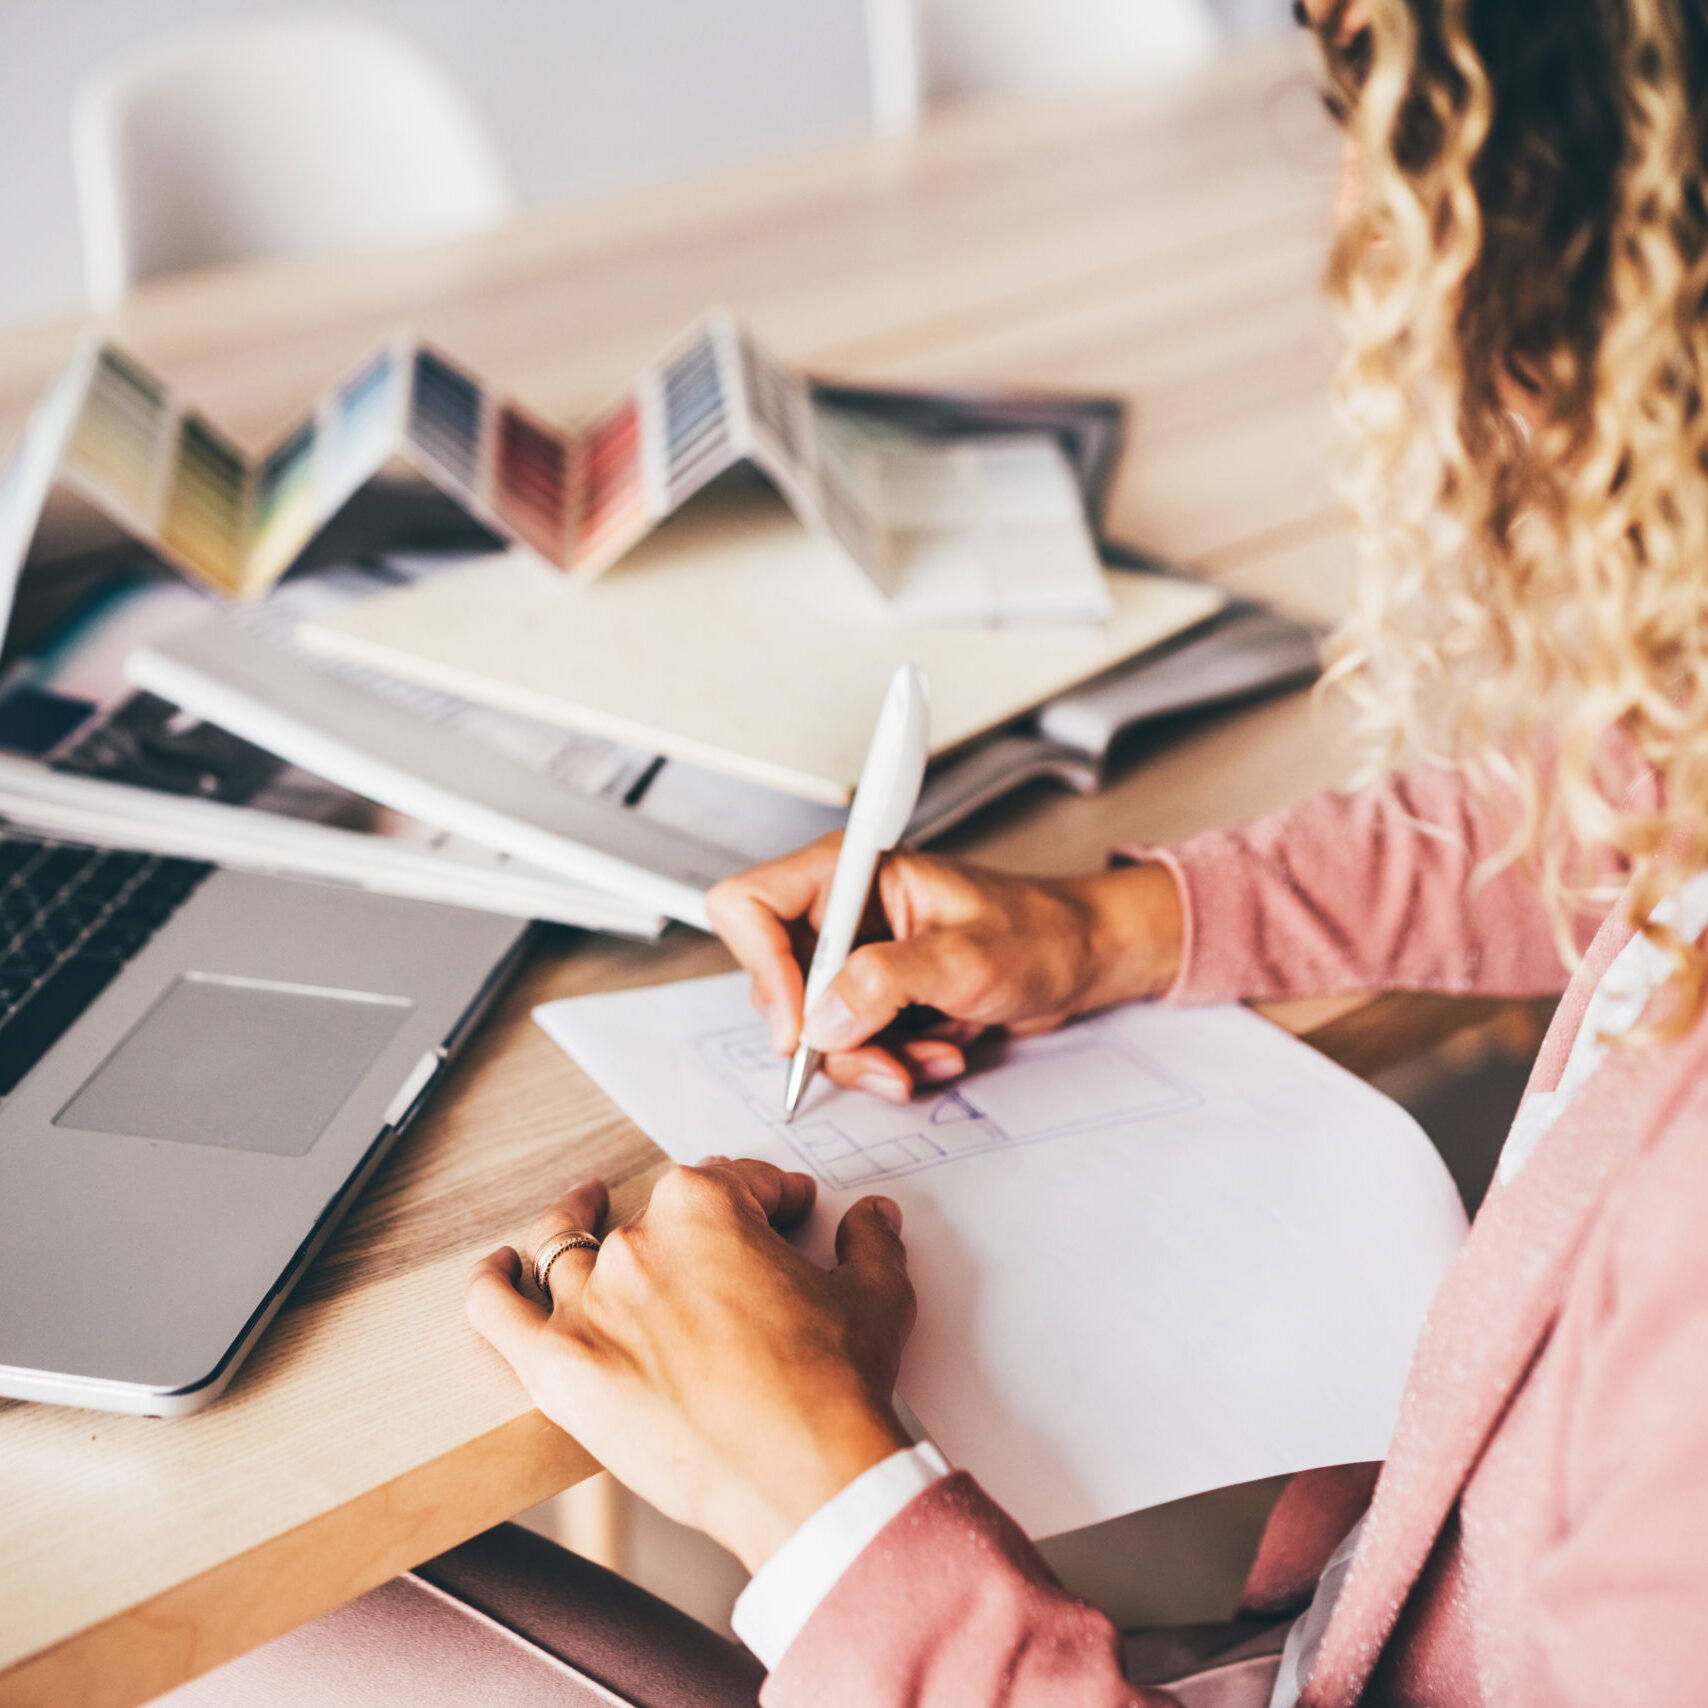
980	948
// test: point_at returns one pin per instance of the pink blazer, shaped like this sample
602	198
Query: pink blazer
1539	1531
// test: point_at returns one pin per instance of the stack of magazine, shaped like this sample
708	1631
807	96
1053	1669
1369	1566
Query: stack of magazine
139	710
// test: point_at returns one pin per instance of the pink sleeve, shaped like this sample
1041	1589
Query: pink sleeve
951	1607
1372	891
1617	1601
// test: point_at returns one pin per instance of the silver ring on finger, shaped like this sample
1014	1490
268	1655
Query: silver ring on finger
553	1249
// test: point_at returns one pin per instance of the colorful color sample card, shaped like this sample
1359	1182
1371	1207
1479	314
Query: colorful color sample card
988	530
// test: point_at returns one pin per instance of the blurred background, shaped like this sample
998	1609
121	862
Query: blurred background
580	99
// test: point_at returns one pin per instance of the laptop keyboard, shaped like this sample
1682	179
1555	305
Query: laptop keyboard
70	918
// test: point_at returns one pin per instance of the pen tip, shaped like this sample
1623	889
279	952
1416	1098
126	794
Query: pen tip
800	1071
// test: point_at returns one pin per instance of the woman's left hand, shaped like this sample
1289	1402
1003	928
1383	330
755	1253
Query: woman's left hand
700	1358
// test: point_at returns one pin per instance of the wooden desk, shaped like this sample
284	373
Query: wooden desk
1165	246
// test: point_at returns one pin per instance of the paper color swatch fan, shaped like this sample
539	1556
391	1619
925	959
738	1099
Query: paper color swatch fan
987	529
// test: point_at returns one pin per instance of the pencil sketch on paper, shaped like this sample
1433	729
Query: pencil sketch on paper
1080	1080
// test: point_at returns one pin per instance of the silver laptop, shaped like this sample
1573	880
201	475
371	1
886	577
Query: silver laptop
199	1069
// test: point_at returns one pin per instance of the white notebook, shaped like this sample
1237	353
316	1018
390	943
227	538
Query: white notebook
736	640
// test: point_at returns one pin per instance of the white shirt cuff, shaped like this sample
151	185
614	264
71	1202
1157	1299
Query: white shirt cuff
786	1590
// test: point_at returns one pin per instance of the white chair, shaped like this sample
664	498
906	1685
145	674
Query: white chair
301	136
927	51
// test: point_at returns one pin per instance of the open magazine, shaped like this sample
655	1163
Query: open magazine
657	830
134	709
84	753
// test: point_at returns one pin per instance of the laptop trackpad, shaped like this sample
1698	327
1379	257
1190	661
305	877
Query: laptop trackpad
240	1063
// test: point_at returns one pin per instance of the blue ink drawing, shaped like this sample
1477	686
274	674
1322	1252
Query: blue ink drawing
1083	1079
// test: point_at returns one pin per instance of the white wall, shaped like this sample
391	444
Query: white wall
580	95
1060	46
1254	17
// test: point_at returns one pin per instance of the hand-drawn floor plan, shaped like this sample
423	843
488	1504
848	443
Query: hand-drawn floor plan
1078	1080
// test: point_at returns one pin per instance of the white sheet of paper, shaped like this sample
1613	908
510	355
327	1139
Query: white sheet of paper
1157	1252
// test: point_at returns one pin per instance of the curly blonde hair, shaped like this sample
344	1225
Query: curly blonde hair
1522	289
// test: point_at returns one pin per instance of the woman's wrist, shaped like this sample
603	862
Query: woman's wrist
1136	933
753	1523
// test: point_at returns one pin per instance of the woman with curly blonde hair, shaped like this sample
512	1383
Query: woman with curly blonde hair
1522	280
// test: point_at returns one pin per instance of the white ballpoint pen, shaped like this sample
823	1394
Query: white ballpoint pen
883	803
